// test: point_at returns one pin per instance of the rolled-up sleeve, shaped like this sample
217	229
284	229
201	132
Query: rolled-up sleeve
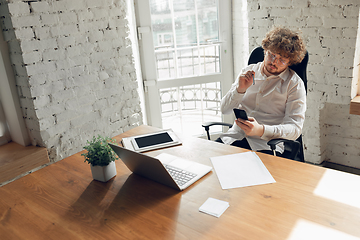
233	98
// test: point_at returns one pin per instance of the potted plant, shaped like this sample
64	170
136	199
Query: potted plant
101	157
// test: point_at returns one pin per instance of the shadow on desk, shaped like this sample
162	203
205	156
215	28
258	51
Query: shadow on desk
100	205
138	198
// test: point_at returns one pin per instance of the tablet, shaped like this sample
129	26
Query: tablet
151	141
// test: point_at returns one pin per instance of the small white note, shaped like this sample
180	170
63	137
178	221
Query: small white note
214	207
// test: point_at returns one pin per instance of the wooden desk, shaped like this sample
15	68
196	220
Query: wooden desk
62	201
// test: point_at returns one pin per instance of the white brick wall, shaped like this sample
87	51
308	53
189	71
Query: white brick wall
73	68
330	29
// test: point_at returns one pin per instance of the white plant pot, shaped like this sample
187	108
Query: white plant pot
104	173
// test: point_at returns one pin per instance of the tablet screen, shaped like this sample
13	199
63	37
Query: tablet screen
153	140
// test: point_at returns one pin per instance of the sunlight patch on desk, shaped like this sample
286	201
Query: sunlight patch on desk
340	187
312	231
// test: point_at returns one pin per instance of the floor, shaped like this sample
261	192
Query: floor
17	161
189	122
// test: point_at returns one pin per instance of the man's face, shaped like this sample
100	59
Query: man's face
275	63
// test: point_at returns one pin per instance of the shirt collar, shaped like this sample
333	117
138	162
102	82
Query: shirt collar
285	74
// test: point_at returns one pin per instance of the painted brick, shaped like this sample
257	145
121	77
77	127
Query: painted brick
79	60
42	32
53	55
342	2
350	32
64	30
350	11
26	21
100	14
41	101
95	3
64	116
19	8
81	120
96	36
32	57
68	17
61	96
77	70
36	45
37	79
64	42
58	6
283	12
85	16
40	67
339	22
40	7
49	19
314	21
74	5
329	32
73	51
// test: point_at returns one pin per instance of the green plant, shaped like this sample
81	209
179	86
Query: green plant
99	153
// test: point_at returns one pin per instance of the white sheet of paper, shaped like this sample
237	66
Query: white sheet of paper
241	170
214	207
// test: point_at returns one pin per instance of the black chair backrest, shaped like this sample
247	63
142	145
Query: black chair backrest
257	55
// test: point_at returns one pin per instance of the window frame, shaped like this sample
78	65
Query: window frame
355	86
355	105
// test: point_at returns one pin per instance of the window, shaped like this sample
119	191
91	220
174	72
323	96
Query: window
355	87
355	105
4	130
165	39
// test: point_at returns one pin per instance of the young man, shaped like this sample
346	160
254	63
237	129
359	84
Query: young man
276	102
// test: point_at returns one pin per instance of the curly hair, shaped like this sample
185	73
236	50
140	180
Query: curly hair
287	43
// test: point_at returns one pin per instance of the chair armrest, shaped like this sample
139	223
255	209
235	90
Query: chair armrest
207	126
293	145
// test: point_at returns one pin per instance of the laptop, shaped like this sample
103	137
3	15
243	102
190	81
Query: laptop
172	171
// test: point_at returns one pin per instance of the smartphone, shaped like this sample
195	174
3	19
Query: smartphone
239	113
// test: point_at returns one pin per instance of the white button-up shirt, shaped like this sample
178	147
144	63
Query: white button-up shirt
277	102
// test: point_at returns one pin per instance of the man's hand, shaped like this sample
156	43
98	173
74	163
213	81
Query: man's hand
245	81
251	127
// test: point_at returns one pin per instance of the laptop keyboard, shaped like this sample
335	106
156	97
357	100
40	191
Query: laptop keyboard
180	176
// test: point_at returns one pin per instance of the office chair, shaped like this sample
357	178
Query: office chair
292	149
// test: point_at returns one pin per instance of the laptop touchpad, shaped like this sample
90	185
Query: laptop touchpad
174	161
180	163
